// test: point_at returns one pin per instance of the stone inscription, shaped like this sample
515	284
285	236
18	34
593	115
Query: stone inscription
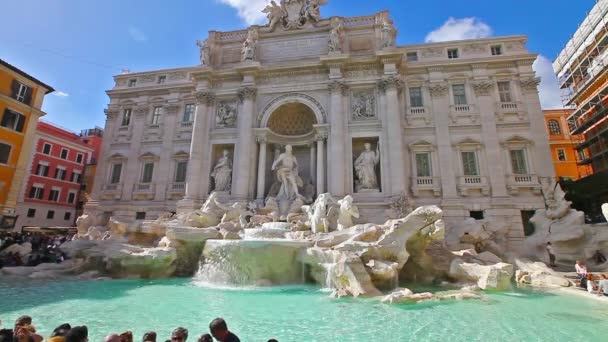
293	48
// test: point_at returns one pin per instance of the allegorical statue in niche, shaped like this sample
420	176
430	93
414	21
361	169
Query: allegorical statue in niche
335	38
226	116
275	15
205	52
249	46
286	167
365	167
222	173
388	34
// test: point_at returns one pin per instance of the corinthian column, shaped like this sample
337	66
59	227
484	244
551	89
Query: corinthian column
261	168
390	86
337	141
321	163
195	186
245	145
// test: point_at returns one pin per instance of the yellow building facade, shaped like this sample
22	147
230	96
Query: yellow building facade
21	98
565	156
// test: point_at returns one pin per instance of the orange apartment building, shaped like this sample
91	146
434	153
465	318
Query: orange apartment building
21	97
565	157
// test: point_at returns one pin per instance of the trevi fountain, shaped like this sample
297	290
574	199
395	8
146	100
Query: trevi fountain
299	261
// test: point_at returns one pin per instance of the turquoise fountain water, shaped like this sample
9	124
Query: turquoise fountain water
297	313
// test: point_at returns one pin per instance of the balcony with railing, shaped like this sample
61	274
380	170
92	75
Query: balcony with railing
464	114
418	116
176	190
111	191
468	184
144	191
516	183
429	184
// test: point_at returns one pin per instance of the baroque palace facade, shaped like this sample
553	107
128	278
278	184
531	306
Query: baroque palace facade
456	124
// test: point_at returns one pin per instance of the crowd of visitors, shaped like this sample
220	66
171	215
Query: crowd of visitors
24	331
32	249
589	282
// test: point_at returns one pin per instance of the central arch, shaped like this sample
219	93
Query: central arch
314	108
292	119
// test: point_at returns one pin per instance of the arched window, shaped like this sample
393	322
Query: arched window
554	128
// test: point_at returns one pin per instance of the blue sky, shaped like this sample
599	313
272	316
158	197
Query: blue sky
78	45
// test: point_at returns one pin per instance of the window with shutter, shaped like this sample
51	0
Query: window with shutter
147	173
5	152
423	164
13	120
469	164
518	162
180	173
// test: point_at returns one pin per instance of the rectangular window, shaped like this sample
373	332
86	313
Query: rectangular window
460	95
452	53
581	155
132	83
36	193
469	163
496	50
71	197
126	117
140	215
416	97
412	56
21	92
79	158
423	164
162	79
46	149
64	154
180	172
42	170
561	155
504	90
31	212
50	214
13	120
189	112
147	172
75	177
518	162
60	174
116	171
54	195
67	216
476	214
156	115
5	152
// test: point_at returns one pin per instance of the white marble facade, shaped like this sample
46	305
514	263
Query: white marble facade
457	124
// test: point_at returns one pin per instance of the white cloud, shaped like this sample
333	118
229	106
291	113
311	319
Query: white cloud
550	94
137	34
249	10
459	29
60	94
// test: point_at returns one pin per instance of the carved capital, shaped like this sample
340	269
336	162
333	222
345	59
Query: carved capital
262	139
111	114
529	85
321	136
171	109
438	89
204	97
391	82
336	85
247	93
483	88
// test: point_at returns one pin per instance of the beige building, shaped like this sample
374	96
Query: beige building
455	124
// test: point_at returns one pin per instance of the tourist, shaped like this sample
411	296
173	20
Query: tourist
581	272
602	287
179	334
272	340
112	338
599	257
77	334
551	255
24	334
126	336
205	338
59	333
26	322
219	330
6	335
150	336
591	283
